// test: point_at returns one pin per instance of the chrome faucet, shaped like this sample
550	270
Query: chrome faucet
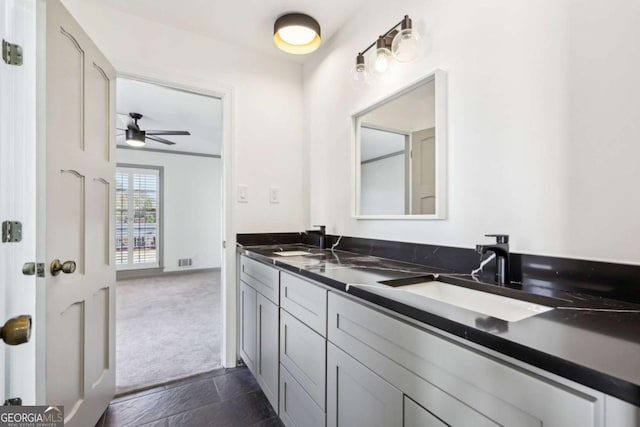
501	249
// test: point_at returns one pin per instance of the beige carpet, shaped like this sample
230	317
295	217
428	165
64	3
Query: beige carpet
166	328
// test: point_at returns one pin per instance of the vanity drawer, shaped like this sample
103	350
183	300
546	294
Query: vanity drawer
261	277
296	406
304	300
303	353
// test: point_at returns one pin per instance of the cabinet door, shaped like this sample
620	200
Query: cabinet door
268	366
303	353
356	396
248	323
297	408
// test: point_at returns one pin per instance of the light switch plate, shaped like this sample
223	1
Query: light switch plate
274	194
243	194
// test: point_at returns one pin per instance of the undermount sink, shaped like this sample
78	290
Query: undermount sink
498	306
294	253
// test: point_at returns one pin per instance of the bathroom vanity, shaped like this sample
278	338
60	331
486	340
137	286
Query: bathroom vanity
342	338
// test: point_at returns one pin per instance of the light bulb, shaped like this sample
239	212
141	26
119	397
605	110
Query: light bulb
383	60
135	143
359	77
297	34
406	44
359	73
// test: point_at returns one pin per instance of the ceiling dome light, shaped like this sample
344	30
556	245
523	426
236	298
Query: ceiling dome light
406	44
135	138
296	33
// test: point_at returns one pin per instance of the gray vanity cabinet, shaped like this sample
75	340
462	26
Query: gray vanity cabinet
325	358
357	396
457	384
259	325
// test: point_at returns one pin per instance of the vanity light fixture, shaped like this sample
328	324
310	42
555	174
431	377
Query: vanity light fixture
135	138
401	43
296	33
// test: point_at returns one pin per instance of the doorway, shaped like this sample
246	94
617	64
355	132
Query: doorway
169	232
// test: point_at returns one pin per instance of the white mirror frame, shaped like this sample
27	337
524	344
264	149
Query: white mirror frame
441	148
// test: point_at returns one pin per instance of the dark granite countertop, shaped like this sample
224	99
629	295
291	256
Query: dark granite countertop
591	340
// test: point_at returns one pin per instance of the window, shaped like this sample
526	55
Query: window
137	218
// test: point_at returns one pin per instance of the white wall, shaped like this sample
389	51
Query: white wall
382	186
266	126
267	129
544	123
192	206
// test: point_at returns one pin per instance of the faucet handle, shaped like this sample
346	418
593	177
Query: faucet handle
500	238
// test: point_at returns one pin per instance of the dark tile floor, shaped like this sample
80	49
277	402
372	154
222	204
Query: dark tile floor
221	398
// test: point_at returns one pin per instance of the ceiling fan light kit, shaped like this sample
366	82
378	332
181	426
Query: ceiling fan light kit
136	137
296	33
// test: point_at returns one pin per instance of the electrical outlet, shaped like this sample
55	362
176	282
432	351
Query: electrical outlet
243	194
274	194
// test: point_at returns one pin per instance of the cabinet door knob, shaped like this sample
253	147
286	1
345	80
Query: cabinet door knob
67	267
17	330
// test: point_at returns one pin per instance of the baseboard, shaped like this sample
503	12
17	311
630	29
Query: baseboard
159	272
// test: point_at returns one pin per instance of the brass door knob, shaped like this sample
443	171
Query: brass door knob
17	330
67	267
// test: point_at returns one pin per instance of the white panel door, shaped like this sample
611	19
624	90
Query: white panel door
423	172
76	195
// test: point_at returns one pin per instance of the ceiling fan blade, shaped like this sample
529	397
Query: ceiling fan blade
124	118
167	132
121	129
119	134
162	140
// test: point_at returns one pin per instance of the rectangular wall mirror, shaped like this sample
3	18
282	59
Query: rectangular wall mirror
400	154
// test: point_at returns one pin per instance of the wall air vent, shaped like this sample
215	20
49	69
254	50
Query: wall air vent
185	262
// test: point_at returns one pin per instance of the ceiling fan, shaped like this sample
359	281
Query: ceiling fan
136	137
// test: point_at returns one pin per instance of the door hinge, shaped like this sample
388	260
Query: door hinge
11	231
224	244
11	53
14	401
